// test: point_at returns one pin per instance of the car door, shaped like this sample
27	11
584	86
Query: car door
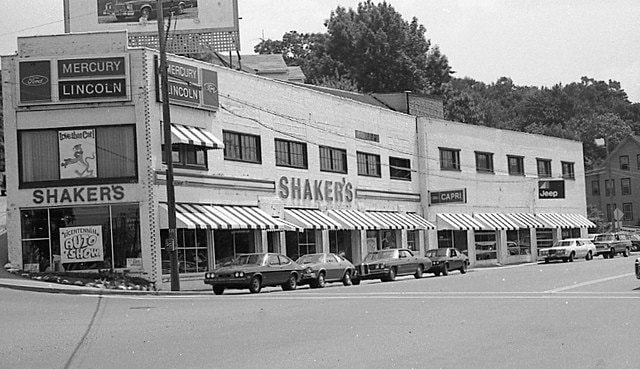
454	259
409	262
332	267
272	271
581	249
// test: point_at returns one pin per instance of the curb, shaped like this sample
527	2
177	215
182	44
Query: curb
60	289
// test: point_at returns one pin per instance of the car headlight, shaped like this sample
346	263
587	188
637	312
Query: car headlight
436	263
560	252
381	266
238	274
308	270
210	275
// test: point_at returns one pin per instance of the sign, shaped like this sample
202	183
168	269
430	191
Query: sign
315	190
618	214
189	85
92	89
73	68
551	189
35	81
77	149
134	264
447	197
74	195
81	244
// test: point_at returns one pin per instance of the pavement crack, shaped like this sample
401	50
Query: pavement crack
84	336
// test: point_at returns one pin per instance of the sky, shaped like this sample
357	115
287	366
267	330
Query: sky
533	42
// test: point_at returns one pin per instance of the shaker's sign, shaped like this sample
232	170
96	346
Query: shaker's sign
315	190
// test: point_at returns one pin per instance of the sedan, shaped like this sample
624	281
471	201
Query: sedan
568	250
254	271
389	263
447	259
322	268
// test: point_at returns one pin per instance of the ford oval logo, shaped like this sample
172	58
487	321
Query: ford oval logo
35	80
211	87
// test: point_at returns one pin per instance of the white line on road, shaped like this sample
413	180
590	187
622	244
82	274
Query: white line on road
560	289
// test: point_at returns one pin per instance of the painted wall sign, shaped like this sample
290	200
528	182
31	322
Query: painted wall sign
315	190
81	244
447	197
551	189
77	150
190	85
35	81
89	194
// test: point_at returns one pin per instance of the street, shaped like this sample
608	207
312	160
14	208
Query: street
583	314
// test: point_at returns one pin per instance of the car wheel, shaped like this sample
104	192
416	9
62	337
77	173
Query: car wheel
445	269
626	253
355	281
612	253
571	257
346	279
463	269
589	256
291	283
437	274
419	272
217	290
320	281
391	276
255	285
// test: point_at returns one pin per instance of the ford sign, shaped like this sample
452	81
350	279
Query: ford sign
35	80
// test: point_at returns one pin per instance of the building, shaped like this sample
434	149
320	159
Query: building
259	165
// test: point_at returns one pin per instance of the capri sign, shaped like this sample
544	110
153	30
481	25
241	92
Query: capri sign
446	197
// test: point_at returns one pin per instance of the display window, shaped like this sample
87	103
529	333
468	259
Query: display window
81	238
570	233
544	237
340	242
192	249
412	240
227	244
450	238
486	246
301	243
519	242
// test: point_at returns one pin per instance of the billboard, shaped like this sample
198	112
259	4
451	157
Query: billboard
214	22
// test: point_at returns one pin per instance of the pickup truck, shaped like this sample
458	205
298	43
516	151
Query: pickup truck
136	9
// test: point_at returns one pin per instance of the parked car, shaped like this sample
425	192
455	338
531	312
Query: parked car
318	269
610	244
638	268
447	259
388	263
635	241
254	271
568	250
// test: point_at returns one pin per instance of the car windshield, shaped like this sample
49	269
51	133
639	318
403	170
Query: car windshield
437	253
604	237
309	259
251	259
389	254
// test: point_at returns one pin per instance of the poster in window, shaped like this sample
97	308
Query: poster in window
77	149
81	244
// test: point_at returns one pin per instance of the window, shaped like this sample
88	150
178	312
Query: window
568	170
484	162
412	236
544	237
516	165
486	245
188	156
449	159
242	147
595	188
624	162
609	188
368	164
77	155
333	160
193	254
367	136
544	168
400	168
301	243
625	184
291	154
627	209
518	242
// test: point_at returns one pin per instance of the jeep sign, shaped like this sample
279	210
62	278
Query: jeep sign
551	189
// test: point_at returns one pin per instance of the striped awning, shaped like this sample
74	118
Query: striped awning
354	219
556	220
286	226
393	220
525	220
460	222
194	136
310	219
420	222
219	217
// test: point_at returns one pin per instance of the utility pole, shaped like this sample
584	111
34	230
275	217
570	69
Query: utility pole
171	241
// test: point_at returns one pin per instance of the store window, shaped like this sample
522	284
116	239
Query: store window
484	162
486	246
192	249
368	164
625	184
340	242
373	241
77	156
242	147
412	240
291	154
388	240
624	162
544	168
187	156
595	188
568	171
544	237
516	165
56	239
609	187
333	160
627	209
519	242
301	243
450	238
570	233
227	244
449	159
400	168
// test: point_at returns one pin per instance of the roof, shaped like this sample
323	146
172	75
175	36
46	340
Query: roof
264	63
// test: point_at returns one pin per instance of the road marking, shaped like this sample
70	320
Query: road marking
560	289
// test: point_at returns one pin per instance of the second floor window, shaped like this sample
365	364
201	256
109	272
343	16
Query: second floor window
516	165
568	170
625	184
400	168
609	188
187	156
242	147
291	154
595	188
484	162
368	164
333	160
624	162
544	168
449	159
627	209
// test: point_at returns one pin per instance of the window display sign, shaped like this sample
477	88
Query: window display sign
551	189
190	85
77	149
81	244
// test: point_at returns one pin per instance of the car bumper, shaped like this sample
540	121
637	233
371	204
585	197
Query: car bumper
373	274
435	268
236	283
307	278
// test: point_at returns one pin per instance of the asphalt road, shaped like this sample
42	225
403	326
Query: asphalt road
559	315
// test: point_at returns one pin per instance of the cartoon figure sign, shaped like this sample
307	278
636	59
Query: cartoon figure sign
77	153
81	244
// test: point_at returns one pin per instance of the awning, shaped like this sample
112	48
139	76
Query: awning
555	220
497	221
460	222
310	219
286	226
393	220
420	222
219	217
525	220
194	136
354	219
